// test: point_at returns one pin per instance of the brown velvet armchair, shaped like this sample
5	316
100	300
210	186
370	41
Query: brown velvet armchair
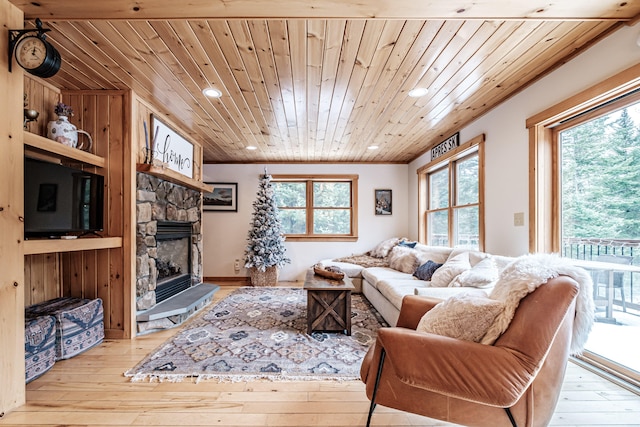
514	382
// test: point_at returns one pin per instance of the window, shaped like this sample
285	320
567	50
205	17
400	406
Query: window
600	177
451	198
317	207
584	184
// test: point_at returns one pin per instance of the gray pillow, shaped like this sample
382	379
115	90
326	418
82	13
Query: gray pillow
426	270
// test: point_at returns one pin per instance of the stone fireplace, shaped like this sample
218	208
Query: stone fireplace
168	240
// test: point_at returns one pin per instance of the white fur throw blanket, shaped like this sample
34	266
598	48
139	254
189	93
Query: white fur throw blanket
528	272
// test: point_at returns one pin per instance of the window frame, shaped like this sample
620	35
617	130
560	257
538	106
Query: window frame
545	234
449	161
309	236
544	170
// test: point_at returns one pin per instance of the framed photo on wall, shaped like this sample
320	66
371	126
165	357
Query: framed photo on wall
383	202
223	197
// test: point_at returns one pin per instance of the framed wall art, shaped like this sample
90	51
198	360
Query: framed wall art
171	148
383	202
223	197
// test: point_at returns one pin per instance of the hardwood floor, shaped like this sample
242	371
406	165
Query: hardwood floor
90	390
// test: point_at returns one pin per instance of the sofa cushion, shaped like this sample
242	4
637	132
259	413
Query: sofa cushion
395	290
426	270
383	248
444	293
483	274
374	274
454	266
464	316
404	259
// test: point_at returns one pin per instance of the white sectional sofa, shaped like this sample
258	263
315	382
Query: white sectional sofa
385	285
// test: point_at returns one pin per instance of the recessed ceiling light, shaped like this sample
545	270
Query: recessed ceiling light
418	92
251	147
372	147
212	92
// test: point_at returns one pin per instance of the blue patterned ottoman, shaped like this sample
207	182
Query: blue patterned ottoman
79	323
39	346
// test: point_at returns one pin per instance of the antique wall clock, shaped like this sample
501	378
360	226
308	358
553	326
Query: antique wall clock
33	52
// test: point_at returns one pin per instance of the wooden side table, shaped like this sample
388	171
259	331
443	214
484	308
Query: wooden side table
328	303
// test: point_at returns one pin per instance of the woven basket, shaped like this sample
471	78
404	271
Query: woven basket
335	274
264	278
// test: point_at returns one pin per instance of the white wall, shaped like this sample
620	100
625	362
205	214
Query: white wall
507	156
225	233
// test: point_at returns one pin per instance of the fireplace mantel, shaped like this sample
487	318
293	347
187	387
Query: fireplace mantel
174	177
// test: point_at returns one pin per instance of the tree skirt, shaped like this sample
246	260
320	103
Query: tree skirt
259	333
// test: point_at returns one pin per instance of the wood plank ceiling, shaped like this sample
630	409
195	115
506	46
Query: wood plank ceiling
319	81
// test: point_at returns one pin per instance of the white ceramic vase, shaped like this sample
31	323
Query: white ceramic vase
65	132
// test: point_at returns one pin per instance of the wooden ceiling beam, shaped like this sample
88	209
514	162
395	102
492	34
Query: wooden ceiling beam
330	9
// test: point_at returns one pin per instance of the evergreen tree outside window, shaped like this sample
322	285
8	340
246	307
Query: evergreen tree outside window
319	207
600	175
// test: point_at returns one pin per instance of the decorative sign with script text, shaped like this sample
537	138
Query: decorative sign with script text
445	146
170	148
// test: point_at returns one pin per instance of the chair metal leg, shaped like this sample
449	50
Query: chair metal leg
375	387
510	415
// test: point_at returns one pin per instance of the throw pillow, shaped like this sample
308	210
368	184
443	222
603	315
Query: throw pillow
408	244
403	259
450	269
483	274
464	317
382	249
426	270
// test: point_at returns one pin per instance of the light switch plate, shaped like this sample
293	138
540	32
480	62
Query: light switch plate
518	219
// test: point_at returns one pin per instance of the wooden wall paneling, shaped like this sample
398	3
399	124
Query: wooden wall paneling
42	278
75	269
42	97
100	273
12	284
90	273
117	213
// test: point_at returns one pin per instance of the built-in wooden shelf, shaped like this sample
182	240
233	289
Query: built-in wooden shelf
173	176
57	149
44	246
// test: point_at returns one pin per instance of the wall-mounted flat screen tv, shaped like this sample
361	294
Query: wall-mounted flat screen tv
59	200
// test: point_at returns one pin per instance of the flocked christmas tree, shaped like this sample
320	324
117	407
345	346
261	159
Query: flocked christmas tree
265	250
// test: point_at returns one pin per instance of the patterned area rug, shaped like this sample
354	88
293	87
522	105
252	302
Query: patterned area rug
260	333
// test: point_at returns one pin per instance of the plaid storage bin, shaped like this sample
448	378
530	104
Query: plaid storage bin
39	346
79	323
